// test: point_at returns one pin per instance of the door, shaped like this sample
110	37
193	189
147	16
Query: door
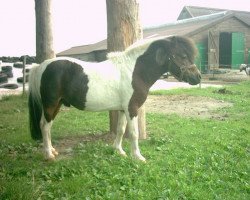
238	49
201	60
248	56
213	50
225	54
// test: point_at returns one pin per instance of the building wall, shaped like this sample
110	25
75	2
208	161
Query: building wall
230	25
95	56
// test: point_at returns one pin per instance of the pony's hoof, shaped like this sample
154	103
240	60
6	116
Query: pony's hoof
121	152
50	157
140	158
54	152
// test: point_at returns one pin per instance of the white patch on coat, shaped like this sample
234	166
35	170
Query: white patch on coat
35	80
103	86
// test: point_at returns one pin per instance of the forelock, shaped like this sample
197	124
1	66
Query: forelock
188	45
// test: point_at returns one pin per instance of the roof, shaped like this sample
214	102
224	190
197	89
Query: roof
195	11
102	45
185	27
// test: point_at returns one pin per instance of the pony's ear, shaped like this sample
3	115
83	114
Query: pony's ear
160	56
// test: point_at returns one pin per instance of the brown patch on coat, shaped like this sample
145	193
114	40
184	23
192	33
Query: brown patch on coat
146	72
63	82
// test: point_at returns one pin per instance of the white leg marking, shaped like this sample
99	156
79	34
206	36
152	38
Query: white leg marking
45	128
121	126
55	153
134	133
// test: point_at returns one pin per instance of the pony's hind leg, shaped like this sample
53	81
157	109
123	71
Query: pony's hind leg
46	123
54	151
121	126
45	128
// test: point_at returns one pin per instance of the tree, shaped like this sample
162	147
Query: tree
123	30
44	37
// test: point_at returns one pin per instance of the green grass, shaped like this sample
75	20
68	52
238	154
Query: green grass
187	158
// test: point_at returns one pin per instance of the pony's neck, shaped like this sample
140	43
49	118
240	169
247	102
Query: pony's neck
147	71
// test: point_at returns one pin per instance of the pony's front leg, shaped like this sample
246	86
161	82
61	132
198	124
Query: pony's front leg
121	126
134	134
45	128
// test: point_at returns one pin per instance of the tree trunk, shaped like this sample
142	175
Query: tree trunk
123	30
44	37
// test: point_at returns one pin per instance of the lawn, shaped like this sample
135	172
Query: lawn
187	158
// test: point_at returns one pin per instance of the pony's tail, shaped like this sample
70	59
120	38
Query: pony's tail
35	106
35	113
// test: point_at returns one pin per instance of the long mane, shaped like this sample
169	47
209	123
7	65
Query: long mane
133	51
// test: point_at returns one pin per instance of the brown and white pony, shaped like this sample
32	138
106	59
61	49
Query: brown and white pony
120	83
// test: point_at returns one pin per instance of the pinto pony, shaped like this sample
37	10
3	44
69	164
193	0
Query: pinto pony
120	83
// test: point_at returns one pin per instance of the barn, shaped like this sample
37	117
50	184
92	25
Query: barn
222	37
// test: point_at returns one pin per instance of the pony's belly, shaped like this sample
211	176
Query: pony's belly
97	105
102	107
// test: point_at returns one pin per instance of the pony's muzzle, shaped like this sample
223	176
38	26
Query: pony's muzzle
192	75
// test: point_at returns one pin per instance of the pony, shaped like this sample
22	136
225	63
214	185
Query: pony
121	83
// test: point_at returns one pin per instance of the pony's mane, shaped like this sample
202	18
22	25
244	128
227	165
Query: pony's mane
188	45
133	51
139	47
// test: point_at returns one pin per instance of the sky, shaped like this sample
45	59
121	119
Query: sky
80	22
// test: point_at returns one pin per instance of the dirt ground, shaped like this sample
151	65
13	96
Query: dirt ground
191	106
188	106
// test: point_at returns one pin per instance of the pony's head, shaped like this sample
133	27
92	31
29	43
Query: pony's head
176	55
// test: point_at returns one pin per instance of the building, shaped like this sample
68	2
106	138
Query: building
222	37
93	52
223	41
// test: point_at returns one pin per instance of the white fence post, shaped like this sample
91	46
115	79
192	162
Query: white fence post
24	74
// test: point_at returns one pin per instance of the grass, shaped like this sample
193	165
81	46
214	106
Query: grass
188	158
